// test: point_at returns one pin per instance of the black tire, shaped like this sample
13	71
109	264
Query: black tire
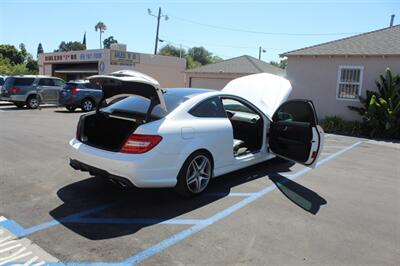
87	105
19	105
32	102
70	108
200	178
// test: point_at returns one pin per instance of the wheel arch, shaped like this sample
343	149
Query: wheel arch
33	93
199	150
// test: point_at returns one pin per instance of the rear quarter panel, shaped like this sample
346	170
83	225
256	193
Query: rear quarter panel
184	134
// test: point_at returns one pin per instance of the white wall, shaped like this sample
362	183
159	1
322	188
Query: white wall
315	78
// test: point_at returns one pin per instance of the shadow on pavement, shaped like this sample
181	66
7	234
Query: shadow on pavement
138	208
69	112
14	108
299	195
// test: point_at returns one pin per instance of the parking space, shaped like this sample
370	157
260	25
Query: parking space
344	211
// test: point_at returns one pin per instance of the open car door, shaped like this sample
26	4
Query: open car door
294	134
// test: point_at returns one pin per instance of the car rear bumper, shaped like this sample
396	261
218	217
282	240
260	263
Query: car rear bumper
77	165
150	169
13	98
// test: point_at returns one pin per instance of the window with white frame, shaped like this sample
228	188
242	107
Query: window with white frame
349	82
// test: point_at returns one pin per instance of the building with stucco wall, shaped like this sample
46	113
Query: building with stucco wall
169	71
334	74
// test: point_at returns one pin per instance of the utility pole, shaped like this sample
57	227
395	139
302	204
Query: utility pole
159	16
260	50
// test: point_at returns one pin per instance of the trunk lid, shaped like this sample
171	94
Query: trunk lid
266	91
127	83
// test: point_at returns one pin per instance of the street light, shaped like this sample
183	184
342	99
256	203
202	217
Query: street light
261	50
159	16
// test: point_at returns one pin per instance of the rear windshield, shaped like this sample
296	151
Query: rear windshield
87	85
23	81
137	104
19	82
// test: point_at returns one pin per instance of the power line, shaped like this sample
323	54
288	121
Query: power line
217	44
262	32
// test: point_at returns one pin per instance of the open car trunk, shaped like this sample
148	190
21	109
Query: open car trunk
109	130
102	131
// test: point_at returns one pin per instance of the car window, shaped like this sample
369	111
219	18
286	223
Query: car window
91	86
236	106
58	82
139	104
22	81
209	108
1	81
46	82
295	111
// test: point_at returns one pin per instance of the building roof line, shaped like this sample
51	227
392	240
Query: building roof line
294	52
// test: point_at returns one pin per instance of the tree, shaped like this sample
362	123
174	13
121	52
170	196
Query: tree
70	46
108	41
22	50
282	64
191	63
170	50
101	27
216	59
11	53
32	64
201	55
40	49
14	61
84	40
195	57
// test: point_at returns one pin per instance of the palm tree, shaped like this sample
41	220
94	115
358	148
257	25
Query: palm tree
101	27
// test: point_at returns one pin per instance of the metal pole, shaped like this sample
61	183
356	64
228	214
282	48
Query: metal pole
391	20
259	53
158	28
180	50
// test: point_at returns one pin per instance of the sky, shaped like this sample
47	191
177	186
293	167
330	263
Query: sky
225	28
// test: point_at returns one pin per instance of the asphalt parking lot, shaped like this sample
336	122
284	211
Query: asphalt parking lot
346	211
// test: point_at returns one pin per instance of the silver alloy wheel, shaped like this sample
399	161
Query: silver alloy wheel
198	174
33	103
87	105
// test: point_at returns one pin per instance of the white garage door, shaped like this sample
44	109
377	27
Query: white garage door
208	83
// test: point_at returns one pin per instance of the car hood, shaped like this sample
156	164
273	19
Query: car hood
127	83
266	91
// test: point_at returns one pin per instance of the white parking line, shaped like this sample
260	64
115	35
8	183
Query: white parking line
20	251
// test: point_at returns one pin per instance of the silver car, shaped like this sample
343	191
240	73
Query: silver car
31	90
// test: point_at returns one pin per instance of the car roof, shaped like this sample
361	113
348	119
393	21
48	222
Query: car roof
79	81
32	76
186	92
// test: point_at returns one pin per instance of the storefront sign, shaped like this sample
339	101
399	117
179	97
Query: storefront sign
123	58
74	56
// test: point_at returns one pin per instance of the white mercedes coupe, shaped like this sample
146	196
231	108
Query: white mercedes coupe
144	136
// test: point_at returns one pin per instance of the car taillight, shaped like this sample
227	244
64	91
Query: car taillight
15	90
74	90
140	143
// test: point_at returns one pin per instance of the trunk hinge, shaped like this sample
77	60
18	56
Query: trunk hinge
151	107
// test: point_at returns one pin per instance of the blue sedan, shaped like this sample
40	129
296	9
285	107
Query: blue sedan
80	94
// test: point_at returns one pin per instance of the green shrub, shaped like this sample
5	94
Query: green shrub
381	109
336	125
